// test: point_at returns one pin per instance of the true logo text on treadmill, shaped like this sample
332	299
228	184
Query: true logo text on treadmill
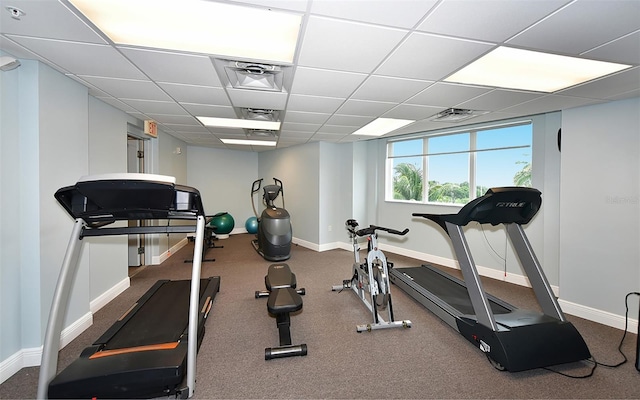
509	204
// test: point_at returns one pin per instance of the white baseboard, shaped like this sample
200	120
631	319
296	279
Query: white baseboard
306	244
20	359
31	357
157	260
109	295
599	316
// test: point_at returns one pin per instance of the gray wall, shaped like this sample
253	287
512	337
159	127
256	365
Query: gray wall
224	179
107	154
298	168
600	206
44	147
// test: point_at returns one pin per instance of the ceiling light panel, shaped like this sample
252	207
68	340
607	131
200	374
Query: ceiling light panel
197	26
382	126
530	70
249	142
239	123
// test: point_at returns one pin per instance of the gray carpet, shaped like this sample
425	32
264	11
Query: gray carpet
429	360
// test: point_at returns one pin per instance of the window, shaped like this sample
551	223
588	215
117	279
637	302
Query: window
454	168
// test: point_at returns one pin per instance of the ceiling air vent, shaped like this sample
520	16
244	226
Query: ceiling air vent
262	133
255	76
260	114
455	115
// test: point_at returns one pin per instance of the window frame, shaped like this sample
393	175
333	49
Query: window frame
472	153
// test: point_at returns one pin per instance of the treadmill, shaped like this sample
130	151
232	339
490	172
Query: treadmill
513	339
151	350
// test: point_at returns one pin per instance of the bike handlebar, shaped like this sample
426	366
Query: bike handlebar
352	224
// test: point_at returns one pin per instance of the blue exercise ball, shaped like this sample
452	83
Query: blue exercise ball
222	223
251	225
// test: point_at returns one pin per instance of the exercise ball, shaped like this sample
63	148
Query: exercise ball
251	225
222	224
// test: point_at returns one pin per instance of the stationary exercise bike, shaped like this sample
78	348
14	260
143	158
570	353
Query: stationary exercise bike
273	239
370	280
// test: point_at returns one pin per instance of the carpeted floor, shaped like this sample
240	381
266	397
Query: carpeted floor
429	360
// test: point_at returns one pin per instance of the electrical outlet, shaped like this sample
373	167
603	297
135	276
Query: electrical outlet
330	228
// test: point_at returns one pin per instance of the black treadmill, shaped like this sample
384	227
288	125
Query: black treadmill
513	339
148	352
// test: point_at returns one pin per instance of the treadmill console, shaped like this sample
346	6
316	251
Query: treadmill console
502	205
103	199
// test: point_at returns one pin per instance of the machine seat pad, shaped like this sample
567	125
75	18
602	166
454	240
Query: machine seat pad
284	301
279	276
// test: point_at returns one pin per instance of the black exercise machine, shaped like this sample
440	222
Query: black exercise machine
513	339
284	299
151	350
274	236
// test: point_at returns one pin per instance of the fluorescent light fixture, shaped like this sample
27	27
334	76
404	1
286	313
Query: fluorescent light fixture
248	142
381	126
240	123
198	26
511	68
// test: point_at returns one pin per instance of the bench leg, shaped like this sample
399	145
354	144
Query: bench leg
286	349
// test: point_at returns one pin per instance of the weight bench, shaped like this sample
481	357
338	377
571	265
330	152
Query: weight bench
284	299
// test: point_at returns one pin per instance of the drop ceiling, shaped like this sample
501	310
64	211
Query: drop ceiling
355	61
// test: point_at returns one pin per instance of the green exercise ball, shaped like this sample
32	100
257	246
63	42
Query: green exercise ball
222	223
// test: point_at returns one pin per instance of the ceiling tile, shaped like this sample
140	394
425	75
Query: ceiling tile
327	105
205	110
412	111
430	57
365	108
322	82
385	88
549	103
95	59
625	50
47	19
446	95
196	93
490	20
400	13
607	87
309	117
498	99
581	26
155	107
294	5
291	126
324	45
337	130
349	120
128	88
163	66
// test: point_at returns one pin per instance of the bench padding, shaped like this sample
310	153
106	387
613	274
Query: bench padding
284	301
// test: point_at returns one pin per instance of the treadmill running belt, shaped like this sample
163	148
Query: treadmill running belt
171	300
451	292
